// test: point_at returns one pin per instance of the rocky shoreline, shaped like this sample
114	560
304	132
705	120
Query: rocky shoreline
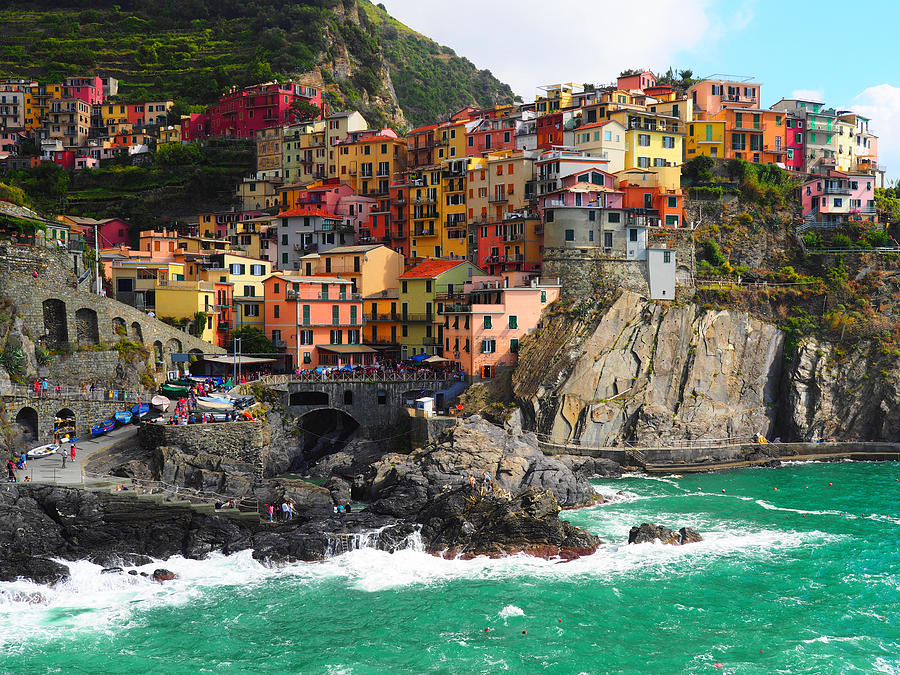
425	496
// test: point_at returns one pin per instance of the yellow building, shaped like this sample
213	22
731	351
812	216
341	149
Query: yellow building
423	290
304	155
186	300
134	281
369	161
370	268
425	199
246	276
37	103
453	221
651	139
556	97
705	138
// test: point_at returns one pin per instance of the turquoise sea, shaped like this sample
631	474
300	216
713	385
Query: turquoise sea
802	579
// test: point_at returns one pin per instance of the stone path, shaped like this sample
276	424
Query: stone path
50	469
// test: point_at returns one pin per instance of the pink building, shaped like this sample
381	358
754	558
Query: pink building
88	89
242	112
711	95
838	197
484	324
111	232
338	199
639	81
793	142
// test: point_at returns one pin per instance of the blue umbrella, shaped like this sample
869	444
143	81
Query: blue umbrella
419	357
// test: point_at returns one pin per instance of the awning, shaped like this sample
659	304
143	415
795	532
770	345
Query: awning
418	357
232	360
436	359
346	349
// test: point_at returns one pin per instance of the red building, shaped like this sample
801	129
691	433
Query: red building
88	89
242	112
491	135
549	131
111	232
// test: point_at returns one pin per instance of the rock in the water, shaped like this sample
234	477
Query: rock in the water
463	522
111	570
160	575
38	570
649	533
402	485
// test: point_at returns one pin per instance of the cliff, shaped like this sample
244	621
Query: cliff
645	372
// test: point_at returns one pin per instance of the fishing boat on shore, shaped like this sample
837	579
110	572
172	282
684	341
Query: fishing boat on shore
42	450
214	403
160	403
140	411
103	427
122	417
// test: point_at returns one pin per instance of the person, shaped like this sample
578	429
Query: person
34	274
218	503
27	479
72	449
290	509
284	510
231	504
58	388
340	508
63	453
11	471
271	508
472	479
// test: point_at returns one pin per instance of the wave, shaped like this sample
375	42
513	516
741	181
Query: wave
511	610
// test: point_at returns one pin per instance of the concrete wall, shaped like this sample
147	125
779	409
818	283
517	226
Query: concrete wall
87	413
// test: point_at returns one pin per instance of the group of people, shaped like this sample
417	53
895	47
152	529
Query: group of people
184	417
17	462
222	505
371	370
42	387
281	513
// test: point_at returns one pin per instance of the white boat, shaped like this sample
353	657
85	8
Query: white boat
214	403
42	450
160	403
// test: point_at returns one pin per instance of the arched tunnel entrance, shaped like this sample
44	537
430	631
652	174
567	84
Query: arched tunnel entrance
322	432
27	419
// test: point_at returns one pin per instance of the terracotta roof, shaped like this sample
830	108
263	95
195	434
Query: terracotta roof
427	127
305	211
431	268
595	124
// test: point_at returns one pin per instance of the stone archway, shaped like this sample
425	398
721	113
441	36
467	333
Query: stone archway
65	423
324	432
309	398
56	326
158	355
348	397
136	331
86	328
118	326
27	420
173	346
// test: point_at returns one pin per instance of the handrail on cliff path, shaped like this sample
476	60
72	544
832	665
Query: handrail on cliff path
69	392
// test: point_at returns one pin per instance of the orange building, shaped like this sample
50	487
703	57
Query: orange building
644	190
318	320
753	134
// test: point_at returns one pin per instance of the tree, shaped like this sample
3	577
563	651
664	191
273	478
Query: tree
253	341
303	111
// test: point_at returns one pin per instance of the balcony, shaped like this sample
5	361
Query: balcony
424	232
831	189
429	341
279	344
748	129
417	318
313	297
498	198
186	285
377	318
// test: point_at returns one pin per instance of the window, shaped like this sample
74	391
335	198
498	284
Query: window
276	311
405	286
668	141
353	314
513	321
251	310
548	216
667	257
306	315
488	346
336	315
570	235
838	201
633	234
591	234
643	162
592	215
306	337
672	220
428	285
381	397
488	322
644	139
613	217
672	202
336	336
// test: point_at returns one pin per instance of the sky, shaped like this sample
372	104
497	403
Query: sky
839	52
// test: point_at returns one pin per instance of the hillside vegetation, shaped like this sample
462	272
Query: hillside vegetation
192	51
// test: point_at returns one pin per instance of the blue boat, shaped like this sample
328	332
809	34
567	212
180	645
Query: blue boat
123	417
103	427
140	410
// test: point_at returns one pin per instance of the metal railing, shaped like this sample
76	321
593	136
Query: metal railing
76	393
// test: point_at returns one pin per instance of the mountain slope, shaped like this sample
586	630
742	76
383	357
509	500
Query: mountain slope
192	50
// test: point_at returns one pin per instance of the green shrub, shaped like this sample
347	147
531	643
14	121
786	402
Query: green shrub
706	193
841	241
711	252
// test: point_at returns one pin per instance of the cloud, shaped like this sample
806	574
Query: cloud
528	43
809	94
881	103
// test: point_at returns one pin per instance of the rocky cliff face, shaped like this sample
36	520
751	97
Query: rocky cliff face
832	394
649	372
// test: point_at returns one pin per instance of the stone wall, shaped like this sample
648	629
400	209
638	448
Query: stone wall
244	441
583	270
54	305
87	413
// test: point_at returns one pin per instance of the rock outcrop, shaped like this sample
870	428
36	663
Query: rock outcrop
647	533
650	372
402	485
833	395
462	522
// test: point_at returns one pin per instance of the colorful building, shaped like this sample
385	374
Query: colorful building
487	319
370	268
318	320
191	300
705	137
306	229
604	140
370	160
837	198
709	96
423	290
651	139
